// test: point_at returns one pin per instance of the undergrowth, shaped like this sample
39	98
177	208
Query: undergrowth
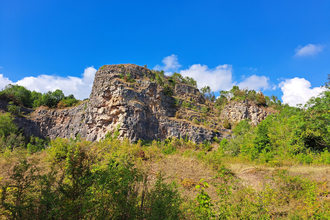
109	179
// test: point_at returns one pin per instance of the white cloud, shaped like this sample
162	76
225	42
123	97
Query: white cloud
298	91
308	50
219	78
170	64
79	87
256	83
4	81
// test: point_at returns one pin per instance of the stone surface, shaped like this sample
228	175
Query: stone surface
139	110
236	111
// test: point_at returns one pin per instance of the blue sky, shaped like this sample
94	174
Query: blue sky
278	47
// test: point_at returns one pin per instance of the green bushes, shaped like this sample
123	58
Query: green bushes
9	134
105	180
226	124
83	188
14	109
186	80
19	95
261	99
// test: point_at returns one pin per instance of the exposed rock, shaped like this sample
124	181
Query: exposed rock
237	111
124	98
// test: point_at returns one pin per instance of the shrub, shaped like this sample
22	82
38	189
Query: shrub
242	127
262	140
226	124
14	109
7	125
196	121
168	90
205	109
223	142
261	99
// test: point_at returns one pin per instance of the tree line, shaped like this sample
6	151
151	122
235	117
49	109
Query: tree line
19	95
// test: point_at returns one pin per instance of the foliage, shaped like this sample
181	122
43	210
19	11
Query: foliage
19	95
177	77
204	208
208	95
168	91
224	142
204	109
7	127
261	99
14	109
226	124
242	127
83	188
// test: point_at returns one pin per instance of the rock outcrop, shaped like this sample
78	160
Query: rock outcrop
237	111
126	99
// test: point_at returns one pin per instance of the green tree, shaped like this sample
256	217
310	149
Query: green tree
48	100
262	140
261	99
252	95
36	98
18	94
58	95
7	126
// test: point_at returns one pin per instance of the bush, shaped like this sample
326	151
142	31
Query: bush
223	142
226	124
262	140
85	189
261	99
17	94
168	90
7	126
242	127
14	109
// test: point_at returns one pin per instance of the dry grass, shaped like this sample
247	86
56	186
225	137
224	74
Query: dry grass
9	160
187	172
255	176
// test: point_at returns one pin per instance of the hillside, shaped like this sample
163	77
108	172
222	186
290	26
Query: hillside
140	104
148	146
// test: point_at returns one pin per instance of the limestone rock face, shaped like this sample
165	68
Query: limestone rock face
126	98
238	111
138	109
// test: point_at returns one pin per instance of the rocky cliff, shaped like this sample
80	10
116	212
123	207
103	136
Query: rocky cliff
237	111
127	99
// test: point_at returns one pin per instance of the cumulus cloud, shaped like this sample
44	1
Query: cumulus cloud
170	64
219	78
4	81
79	87
308	50
256	83
298	91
